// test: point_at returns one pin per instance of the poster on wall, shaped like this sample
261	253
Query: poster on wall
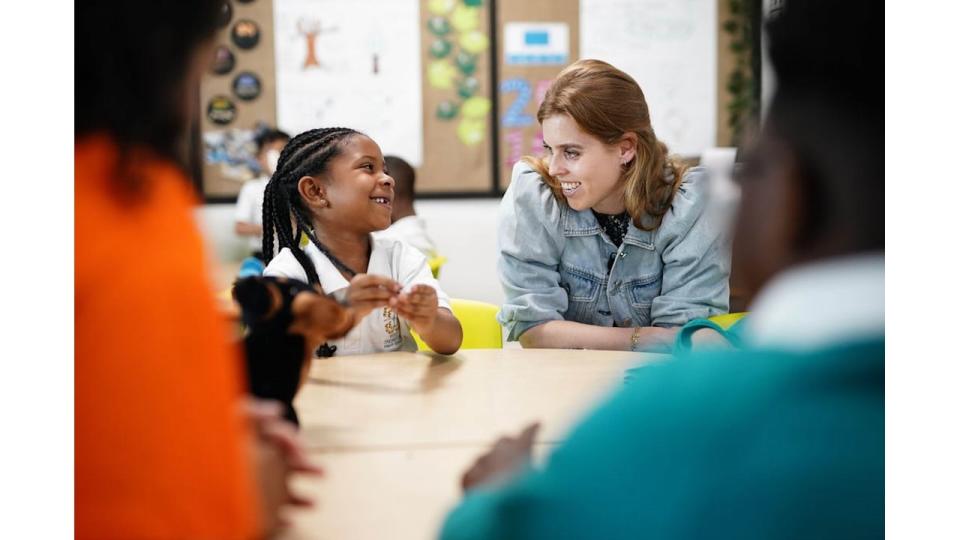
357	67
670	49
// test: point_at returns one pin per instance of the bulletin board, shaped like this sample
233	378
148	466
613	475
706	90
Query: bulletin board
458	115
452	86
237	95
538	38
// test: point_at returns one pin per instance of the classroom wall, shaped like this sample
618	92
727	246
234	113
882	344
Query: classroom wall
463	230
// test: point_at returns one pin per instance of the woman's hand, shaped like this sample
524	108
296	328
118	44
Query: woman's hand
652	339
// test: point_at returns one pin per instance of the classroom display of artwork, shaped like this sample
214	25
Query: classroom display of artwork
540	38
456	43
416	75
356	67
458	119
237	98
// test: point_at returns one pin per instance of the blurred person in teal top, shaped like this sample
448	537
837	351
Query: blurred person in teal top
784	438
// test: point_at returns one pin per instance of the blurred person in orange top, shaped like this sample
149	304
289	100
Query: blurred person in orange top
167	445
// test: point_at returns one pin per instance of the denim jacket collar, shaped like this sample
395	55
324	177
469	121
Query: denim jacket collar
584	223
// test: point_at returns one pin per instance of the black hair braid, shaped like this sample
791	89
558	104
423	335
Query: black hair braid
266	242
302	225
307	153
316	242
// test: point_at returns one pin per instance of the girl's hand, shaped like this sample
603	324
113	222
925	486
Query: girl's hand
418	306
368	292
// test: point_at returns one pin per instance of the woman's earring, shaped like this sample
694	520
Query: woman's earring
323	202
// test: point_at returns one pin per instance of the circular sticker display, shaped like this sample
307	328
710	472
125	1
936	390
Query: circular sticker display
223	60
226	13
221	110
246	86
245	34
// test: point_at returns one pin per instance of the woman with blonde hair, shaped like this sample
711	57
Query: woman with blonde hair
605	242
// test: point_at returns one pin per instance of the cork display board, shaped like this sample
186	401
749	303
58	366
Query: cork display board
237	97
538	38
458	121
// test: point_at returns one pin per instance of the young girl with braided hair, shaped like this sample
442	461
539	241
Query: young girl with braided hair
332	187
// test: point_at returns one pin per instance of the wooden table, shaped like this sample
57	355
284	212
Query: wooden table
394	431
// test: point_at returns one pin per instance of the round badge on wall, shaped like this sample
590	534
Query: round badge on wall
246	86
221	110
245	34
226	13
223	60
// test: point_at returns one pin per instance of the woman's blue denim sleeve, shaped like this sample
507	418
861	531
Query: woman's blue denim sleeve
696	257
530	245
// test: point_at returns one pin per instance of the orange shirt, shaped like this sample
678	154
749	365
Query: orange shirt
162	450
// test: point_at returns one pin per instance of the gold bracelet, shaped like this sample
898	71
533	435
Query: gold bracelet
635	338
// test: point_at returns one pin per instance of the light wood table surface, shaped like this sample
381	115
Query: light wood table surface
394	431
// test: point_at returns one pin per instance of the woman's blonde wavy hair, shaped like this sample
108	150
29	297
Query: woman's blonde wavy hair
607	103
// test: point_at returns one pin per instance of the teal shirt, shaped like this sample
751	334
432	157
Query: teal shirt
741	444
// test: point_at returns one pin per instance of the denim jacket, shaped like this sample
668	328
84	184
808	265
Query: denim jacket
554	261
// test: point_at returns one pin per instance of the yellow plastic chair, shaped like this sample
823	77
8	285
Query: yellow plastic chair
480	327
727	320
435	263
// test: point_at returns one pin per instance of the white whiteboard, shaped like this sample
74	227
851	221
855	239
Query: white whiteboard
670	48
360	69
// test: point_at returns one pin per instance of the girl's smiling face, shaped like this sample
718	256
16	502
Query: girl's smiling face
358	188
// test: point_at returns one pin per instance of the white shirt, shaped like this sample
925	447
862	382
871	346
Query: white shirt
411	230
820	304
381	330
250	207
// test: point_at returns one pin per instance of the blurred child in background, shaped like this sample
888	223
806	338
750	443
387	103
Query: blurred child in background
249	211
405	224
